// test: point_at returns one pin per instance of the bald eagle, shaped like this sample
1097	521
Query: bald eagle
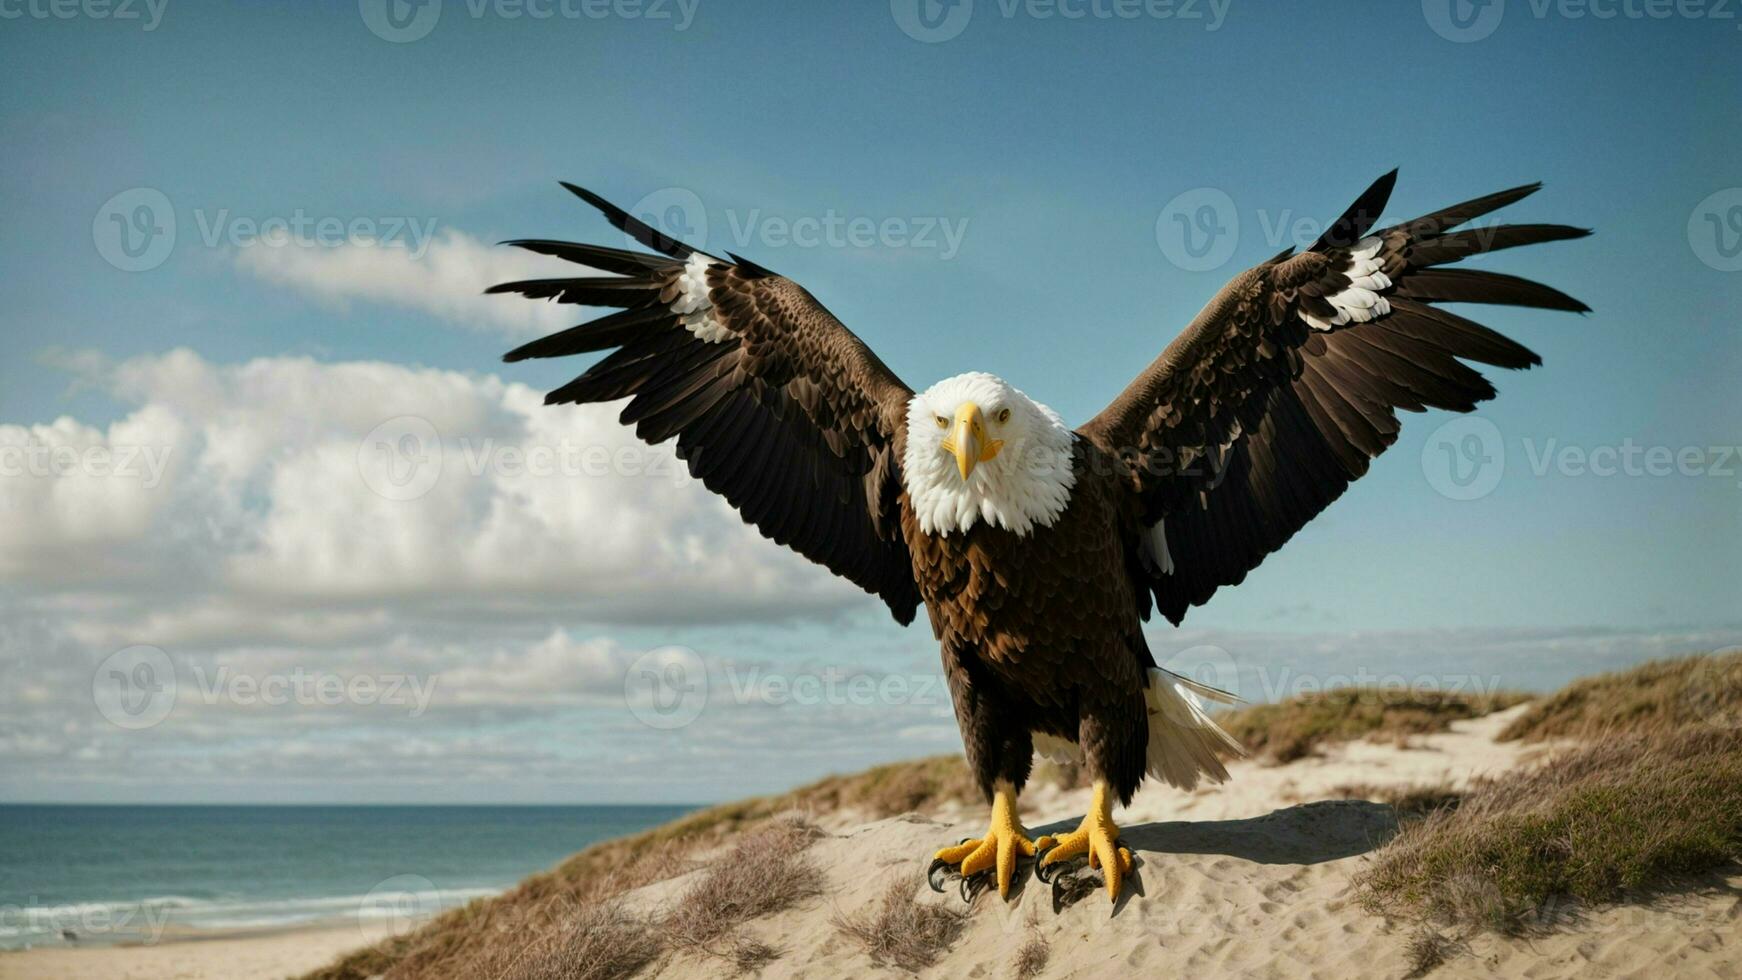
1037	549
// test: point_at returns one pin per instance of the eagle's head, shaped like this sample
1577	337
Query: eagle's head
978	449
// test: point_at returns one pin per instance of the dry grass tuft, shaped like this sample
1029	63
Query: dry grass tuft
765	873
600	942
1295	728
900	930
1615	820
1426	950
1031	956
1659	696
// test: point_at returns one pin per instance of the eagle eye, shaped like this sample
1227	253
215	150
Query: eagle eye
1003	416
943	423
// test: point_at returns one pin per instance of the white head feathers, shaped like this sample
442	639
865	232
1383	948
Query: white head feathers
1027	482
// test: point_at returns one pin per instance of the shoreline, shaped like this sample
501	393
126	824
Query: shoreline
194	954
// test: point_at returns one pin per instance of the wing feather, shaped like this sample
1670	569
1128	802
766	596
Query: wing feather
1287	385
773	403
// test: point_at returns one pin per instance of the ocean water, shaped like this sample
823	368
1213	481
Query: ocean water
132	873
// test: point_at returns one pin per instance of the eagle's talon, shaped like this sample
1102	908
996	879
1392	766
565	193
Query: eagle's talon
1097	838
931	874
1004	844
1043	871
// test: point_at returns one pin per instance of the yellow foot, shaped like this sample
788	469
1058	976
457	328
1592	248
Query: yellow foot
1096	836
1004	843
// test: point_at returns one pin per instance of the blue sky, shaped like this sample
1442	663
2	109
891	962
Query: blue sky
1053	147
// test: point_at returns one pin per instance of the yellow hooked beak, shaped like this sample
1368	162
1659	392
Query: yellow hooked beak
967	439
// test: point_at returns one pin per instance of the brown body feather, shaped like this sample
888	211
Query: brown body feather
1040	632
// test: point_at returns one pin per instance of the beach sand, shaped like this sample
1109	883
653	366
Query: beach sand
233	957
1249	879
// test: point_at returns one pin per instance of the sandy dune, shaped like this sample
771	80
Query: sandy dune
1235	881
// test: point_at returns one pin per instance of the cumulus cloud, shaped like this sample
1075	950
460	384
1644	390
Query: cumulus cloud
284	487
445	277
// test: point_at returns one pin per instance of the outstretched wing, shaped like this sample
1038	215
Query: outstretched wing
1285	387
775	405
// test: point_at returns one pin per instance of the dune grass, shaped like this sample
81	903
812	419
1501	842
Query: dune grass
1621	818
899	929
1659	696
1297	727
764	873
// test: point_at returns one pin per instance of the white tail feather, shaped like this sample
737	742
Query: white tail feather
1184	742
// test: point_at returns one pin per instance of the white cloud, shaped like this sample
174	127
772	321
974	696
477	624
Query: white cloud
447	278
278	500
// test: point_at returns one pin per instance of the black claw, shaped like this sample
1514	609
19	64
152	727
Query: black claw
1041	871
931	874
972	886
